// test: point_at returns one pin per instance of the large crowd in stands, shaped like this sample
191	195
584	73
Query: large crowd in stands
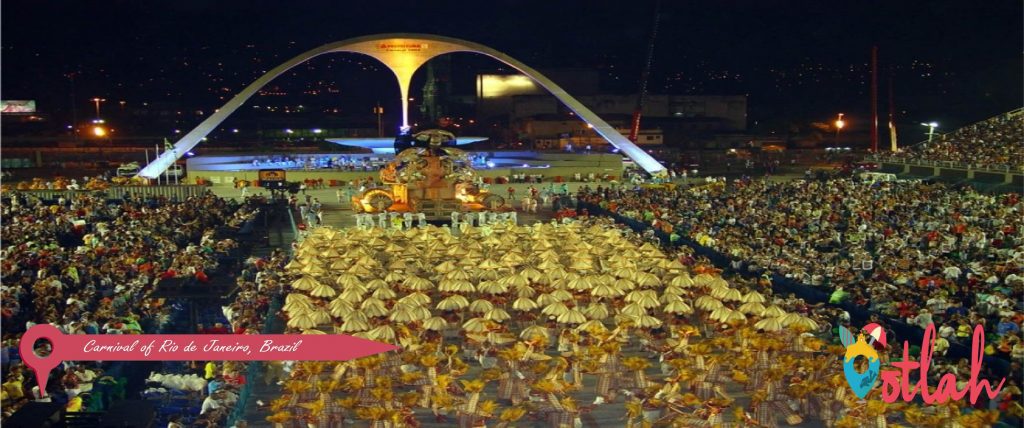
922	253
258	285
220	384
87	265
995	142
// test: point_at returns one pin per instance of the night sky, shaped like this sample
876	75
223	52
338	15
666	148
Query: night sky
952	61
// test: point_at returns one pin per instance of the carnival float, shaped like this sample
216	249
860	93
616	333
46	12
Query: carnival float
428	175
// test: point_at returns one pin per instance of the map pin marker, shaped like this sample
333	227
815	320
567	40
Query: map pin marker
861	383
41	365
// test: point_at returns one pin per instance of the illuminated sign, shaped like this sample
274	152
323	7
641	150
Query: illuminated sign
17	106
272	178
495	85
403	47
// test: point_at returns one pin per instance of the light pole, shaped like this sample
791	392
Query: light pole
931	129
839	127
98	101
74	108
379	111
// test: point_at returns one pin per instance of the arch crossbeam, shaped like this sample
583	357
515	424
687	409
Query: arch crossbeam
403	54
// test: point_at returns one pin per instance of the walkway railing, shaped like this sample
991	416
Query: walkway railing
945	164
179	192
295	228
254	370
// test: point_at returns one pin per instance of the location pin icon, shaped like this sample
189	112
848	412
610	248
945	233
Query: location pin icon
41	365
861	383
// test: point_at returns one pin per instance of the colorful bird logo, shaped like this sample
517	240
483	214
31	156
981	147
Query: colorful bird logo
861	382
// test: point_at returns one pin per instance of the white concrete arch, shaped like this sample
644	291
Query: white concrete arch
403	54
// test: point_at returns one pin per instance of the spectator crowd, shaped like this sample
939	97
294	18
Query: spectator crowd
88	265
993	143
920	253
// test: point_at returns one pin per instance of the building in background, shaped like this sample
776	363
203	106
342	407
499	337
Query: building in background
529	110
437	90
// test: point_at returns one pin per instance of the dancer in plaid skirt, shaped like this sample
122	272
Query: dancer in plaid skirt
764	414
710	417
761	365
513	384
832	401
391	364
607	378
466	420
332	414
827	415
561	419
709	381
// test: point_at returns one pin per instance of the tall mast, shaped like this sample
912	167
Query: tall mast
892	118
634	129
874	99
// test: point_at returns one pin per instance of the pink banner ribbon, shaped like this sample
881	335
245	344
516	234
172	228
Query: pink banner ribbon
189	347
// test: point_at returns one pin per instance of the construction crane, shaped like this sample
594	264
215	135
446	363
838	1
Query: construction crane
634	129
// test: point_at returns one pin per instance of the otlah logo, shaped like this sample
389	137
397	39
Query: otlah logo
861	383
896	383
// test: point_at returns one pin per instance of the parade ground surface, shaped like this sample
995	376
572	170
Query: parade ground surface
441	274
339	217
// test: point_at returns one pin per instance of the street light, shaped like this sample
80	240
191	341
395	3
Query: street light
839	126
98	101
931	129
378	110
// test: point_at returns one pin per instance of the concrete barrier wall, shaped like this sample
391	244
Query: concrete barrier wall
922	171
893	168
562	163
523	154
989	177
576	157
953	173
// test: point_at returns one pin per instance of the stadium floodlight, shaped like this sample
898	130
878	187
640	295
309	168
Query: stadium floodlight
98	100
931	129
840	123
